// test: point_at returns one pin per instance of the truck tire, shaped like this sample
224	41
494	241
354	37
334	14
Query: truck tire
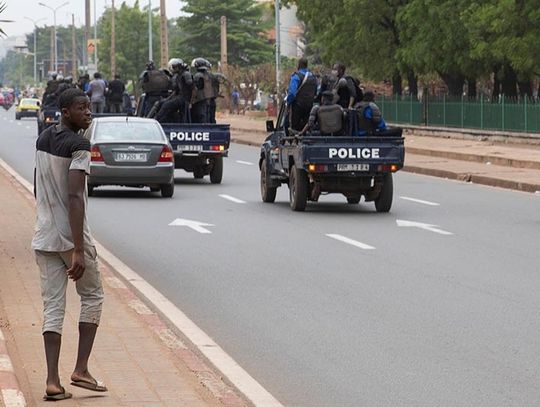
17	117
353	200
216	175
167	190
91	189
268	194
383	202
198	173
298	189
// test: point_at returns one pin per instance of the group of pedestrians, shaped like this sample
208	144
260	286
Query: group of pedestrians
106	96
334	104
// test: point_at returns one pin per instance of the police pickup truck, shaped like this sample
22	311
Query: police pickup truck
312	165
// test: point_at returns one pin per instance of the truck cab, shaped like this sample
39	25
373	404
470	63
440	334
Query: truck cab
314	164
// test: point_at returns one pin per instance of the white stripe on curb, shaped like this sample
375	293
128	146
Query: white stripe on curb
13	398
241	379
10	397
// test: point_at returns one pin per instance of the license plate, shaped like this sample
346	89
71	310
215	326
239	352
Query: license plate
130	157
353	167
189	148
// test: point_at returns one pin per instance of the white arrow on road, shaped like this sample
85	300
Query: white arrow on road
193	224
425	226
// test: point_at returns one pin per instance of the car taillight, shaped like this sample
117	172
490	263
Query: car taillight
387	168
95	154
217	148
167	155
317	168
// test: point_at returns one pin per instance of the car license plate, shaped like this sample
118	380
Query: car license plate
130	157
189	148
353	167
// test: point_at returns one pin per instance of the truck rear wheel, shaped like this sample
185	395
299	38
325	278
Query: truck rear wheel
383	202
353	200
298	189
216	174
268	194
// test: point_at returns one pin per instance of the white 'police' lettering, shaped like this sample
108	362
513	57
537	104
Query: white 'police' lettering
189	136
353	152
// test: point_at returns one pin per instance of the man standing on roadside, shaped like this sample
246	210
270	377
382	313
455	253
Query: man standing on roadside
62	241
96	91
115	95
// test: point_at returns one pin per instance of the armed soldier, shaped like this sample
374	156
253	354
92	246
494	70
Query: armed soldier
204	91
179	100
328	118
300	95
155	84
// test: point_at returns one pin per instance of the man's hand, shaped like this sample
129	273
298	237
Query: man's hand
76	270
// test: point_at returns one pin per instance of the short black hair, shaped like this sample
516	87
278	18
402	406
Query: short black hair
340	66
97	75
302	63
67	97
369	96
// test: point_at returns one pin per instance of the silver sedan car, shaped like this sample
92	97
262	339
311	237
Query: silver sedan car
130	151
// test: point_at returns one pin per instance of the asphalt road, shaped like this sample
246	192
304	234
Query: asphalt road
384	312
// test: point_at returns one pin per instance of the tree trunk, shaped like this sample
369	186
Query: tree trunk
496	85
471	88
396	84
525	89
454	83
509	82
413	83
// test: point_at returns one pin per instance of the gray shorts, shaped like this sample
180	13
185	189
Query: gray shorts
54	280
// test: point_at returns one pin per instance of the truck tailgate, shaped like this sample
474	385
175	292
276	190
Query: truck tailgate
198	137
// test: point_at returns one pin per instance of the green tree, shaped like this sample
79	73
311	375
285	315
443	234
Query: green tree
131	30
247	41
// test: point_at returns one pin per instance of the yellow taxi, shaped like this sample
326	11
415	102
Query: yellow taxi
27	107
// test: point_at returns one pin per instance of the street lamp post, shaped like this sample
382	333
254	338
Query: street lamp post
35	44
150	50
55	40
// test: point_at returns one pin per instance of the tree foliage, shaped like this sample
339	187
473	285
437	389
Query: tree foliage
462	41
247	43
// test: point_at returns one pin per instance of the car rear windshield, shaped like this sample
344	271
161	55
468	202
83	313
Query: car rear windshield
29	102
126	130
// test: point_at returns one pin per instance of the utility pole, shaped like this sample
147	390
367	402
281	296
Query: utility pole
113	42
278	51
164	35
35	45
224	62
51	65
73	50
87	25
95	37
150	50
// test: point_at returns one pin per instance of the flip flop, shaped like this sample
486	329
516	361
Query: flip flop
97	386
58	396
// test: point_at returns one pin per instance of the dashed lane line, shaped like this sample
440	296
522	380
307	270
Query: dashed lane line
350	241
244	162
232	199
420	201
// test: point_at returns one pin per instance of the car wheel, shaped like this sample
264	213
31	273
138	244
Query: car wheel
383	202
353	200
268	194
91	189
198	173
216	174
298	189
167	190
17	117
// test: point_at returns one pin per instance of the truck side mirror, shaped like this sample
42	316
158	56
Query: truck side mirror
270	126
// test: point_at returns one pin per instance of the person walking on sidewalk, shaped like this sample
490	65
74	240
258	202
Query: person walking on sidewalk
62	241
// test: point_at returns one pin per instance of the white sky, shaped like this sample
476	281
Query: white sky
19	9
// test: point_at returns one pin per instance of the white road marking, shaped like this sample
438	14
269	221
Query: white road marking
244	162
232	199
420	225
192	224
19	124
350	241
234	373
420	201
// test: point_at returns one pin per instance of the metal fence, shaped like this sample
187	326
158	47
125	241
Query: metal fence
521	115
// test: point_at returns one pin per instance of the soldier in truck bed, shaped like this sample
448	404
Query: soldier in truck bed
328	118
155	84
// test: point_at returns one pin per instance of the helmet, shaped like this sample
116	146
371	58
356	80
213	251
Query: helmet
150	65
176	65
68	79
60	77
201	64
53	76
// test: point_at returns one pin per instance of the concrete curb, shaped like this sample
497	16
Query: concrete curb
12	395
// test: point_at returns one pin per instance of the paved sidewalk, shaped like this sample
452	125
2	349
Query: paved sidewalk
506	165
142	362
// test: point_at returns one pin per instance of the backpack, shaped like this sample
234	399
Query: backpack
307	90
359	93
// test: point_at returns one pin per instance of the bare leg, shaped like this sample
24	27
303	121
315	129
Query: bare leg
52	342
87	334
